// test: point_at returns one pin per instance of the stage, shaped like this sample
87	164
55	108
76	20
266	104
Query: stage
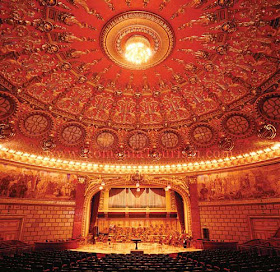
126	248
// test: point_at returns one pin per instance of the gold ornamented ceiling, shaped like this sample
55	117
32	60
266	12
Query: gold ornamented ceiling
211	87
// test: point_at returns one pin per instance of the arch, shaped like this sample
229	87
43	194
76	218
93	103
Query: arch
180	187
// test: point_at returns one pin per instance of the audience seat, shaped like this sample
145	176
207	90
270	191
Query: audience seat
200	261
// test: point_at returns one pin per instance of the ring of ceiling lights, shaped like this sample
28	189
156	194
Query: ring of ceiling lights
262	156
150	26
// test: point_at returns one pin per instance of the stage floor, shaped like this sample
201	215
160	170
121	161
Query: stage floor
125	248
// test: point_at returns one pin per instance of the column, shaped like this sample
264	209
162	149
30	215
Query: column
195	214
80	198
106	200
168	201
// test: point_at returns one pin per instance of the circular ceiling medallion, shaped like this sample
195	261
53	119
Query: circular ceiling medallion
268	106
138	140
170	139
118	34
106	139
8	105
202	135
36	124
72	134
237	125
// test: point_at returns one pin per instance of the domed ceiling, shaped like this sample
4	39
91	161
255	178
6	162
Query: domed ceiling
210	85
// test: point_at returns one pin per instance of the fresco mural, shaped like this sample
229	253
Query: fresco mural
261	182
17	182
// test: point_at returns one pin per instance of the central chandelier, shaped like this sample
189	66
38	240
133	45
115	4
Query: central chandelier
137	50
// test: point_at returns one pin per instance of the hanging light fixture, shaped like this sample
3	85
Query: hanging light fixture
137	178
168	187
137	50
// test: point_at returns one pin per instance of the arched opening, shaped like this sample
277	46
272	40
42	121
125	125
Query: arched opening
176	212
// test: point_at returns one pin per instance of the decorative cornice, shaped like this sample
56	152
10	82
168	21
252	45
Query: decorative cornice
239	202
17	201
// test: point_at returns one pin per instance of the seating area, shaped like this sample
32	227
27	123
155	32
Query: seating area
200	261
51	260
11	247
263	247
232	260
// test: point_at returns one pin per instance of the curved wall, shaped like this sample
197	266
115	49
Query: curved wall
241	205
38	204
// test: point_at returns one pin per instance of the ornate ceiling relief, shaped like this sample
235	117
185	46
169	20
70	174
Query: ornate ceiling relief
137	140
8	105
72	134
268	106
202	135
36	124
8	108
237	125
205	77
170	139
106	139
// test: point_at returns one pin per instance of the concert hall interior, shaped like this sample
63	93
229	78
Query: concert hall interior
139	135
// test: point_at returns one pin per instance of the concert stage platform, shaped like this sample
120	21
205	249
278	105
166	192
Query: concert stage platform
126	248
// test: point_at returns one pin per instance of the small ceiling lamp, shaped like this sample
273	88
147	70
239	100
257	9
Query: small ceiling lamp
168	187
137	178
102	183
6	130
120	153
137	50
226	143
154	154
267	131
189	151
138	189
